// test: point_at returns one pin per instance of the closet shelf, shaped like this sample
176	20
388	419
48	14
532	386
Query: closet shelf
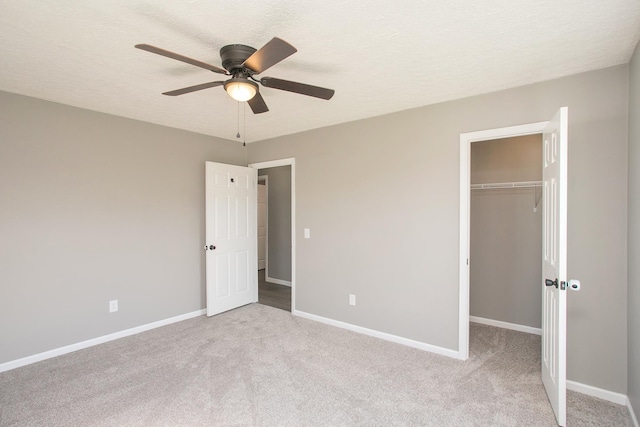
498	185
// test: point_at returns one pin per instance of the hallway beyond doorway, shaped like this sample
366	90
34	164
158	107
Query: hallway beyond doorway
278	296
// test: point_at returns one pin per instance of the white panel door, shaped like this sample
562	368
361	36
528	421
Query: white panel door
554	263
262	226
231	260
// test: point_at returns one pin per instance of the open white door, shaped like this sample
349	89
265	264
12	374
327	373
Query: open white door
231	244
554	263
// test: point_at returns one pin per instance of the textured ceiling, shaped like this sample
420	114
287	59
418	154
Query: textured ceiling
379	56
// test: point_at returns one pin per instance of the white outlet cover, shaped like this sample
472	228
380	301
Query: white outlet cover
352	299
113	306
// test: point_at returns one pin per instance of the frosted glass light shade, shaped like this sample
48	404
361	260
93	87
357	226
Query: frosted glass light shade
241	89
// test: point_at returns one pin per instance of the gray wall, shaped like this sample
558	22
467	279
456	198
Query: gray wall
279	217
381	199
634	233
94	208
506	234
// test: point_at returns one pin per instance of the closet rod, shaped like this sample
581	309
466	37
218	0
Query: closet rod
498	185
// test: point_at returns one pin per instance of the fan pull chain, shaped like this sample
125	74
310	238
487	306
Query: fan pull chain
244	124
238	134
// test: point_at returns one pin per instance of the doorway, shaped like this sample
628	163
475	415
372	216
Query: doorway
506	233
276	281
466	139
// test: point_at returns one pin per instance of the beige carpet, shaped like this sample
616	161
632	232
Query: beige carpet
260	366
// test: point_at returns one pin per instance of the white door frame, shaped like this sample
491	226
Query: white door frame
272	164
466	139
265	179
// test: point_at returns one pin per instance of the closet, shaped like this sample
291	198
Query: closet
506	233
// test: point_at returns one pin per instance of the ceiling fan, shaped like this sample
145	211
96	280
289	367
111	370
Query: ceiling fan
241	63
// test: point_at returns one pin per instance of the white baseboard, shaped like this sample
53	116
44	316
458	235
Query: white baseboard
600	393
633	414
95	341
382	335
611	396
277	281
505	325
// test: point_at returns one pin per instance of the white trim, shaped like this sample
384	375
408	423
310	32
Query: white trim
611	396
466	139
277	281
465	241
377	334
273	163
291	161
7	366
506	325
265	179
633	414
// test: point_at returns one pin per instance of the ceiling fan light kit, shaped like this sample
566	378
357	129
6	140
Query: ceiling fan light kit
241	89
241	63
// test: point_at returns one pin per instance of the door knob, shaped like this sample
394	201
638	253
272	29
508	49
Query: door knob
549	282
210	247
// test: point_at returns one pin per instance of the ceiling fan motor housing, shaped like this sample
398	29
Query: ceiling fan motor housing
234	55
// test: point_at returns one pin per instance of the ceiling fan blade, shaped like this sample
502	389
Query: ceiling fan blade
182	58
193	88
295	87
269	55
257	104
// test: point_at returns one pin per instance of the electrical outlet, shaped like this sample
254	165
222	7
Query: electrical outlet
352	299
307	233
113	306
